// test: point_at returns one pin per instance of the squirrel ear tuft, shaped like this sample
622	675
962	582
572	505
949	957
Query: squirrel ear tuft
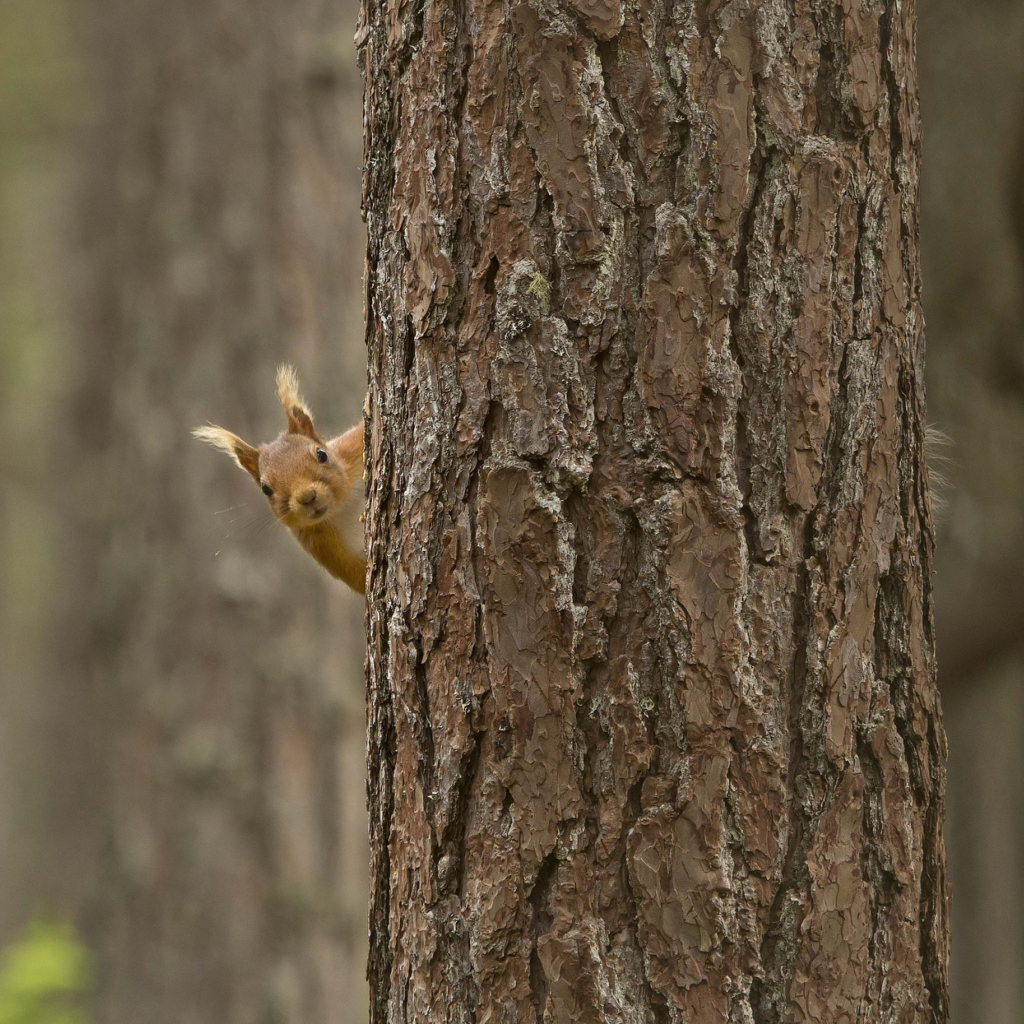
300	419
244	454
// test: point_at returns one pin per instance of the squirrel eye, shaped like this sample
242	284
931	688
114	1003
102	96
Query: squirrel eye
267	491
321	455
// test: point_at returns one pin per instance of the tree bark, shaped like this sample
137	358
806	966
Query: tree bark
213	666
654	734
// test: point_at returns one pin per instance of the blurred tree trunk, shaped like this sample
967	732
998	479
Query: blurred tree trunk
654	731
972	215
209	749
39	98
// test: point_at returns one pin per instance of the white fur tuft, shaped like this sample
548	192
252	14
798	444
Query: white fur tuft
936	446
288	388
230	444
219	438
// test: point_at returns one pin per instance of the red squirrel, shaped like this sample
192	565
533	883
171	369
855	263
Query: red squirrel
314	486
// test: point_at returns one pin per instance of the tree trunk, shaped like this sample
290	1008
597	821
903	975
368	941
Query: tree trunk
222	666
653	727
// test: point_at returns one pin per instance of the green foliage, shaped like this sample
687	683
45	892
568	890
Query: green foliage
44	977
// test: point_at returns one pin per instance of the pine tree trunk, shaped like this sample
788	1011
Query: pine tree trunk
653	727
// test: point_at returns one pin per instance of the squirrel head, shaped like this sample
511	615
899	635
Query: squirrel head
305	478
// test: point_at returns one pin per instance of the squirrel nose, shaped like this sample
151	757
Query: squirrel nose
308	496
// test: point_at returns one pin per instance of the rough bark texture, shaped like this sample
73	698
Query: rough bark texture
221	666
653	727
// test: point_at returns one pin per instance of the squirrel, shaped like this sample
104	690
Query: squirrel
310	483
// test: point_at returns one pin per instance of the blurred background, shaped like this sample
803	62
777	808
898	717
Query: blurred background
181	697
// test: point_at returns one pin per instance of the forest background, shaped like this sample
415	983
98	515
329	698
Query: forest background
88	94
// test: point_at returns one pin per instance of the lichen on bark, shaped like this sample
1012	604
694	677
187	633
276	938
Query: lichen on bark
653	727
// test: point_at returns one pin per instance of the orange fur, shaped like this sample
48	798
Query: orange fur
319	503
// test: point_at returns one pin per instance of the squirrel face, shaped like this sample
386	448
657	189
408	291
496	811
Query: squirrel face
303	482
309	482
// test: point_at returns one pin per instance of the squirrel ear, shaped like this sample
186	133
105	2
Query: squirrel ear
244	454
300	419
